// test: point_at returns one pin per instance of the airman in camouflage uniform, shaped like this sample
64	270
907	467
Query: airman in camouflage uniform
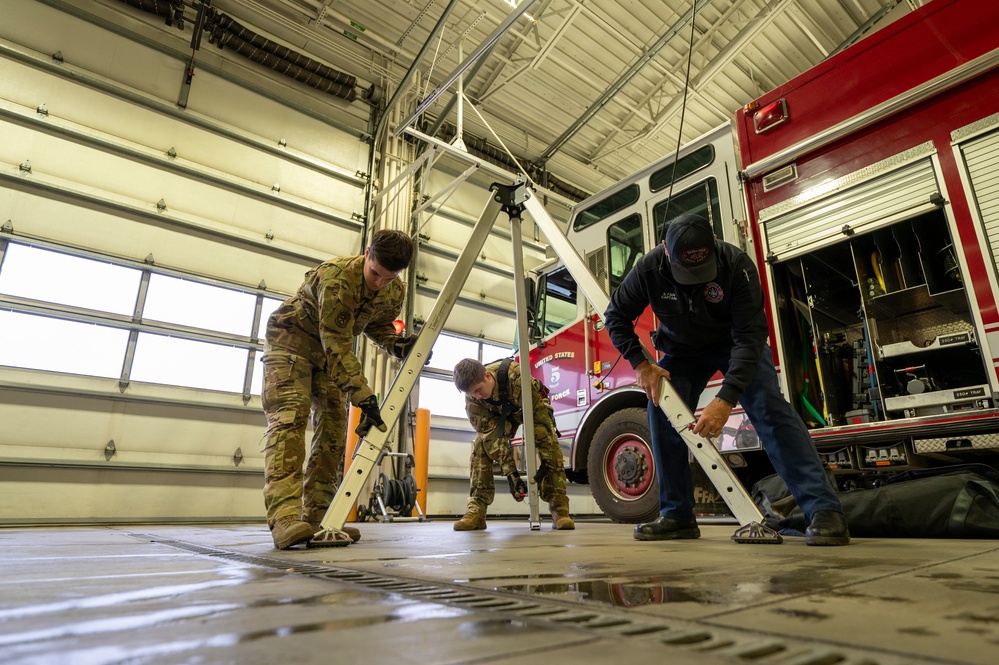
486	408
309	365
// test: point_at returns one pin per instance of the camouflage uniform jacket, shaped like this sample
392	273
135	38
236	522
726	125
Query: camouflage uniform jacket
485	414
332	307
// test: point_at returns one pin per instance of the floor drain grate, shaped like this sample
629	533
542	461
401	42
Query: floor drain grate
740	646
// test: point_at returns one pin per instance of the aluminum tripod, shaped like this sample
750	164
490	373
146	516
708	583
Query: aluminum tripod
514	199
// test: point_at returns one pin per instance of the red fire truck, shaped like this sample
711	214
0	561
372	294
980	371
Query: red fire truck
867	189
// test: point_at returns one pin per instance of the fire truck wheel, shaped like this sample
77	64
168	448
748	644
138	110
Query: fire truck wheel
621	469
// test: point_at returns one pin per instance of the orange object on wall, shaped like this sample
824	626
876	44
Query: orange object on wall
421	456
353	418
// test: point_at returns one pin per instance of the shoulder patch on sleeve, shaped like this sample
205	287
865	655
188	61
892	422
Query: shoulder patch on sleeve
342	317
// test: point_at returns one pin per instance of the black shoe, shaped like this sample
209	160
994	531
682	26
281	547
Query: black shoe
828	527
666	528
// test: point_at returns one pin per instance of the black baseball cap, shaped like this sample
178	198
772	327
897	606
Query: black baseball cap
690	243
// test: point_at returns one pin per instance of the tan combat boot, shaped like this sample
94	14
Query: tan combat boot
289	531
472	520
561	520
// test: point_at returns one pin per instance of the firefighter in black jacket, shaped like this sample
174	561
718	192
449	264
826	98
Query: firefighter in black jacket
707	297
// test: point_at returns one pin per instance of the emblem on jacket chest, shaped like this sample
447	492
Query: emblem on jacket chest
713	293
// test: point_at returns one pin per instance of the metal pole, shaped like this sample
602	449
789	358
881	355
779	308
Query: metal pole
526	388
412	69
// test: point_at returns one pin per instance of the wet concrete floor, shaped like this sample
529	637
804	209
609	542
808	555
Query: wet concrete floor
422	593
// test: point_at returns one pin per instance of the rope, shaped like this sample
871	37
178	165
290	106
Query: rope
520	169
683	112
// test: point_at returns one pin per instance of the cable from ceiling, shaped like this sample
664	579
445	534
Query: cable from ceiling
683	112
171	10
226	32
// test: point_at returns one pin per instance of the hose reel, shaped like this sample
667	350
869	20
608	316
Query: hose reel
393	498
398	494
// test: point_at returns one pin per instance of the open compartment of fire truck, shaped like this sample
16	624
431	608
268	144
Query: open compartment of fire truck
876	326
873	202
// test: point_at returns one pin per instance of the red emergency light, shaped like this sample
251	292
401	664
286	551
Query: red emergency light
767	117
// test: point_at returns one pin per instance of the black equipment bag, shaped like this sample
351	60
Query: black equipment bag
959	501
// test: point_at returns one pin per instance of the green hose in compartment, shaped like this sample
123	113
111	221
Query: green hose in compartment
805	362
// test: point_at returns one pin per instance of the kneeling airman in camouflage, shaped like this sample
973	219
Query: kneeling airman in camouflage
494	407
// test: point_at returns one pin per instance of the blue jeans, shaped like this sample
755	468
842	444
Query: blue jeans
781	430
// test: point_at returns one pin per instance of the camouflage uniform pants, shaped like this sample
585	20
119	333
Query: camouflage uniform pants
486	451
294	387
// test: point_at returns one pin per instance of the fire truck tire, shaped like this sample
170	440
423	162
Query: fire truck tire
621	470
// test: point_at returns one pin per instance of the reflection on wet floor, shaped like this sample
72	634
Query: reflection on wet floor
692	586
657	590
495	628
810	615
106	626
618	594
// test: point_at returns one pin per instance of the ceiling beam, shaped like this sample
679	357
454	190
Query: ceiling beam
724	57
672	32
671	74
486	87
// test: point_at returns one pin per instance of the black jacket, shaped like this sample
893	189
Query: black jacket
726	313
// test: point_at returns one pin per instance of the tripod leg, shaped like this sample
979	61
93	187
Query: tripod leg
721	475
367	453
525	373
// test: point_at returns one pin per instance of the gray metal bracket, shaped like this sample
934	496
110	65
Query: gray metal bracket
720	474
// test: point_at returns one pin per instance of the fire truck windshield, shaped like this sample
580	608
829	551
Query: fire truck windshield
558	300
